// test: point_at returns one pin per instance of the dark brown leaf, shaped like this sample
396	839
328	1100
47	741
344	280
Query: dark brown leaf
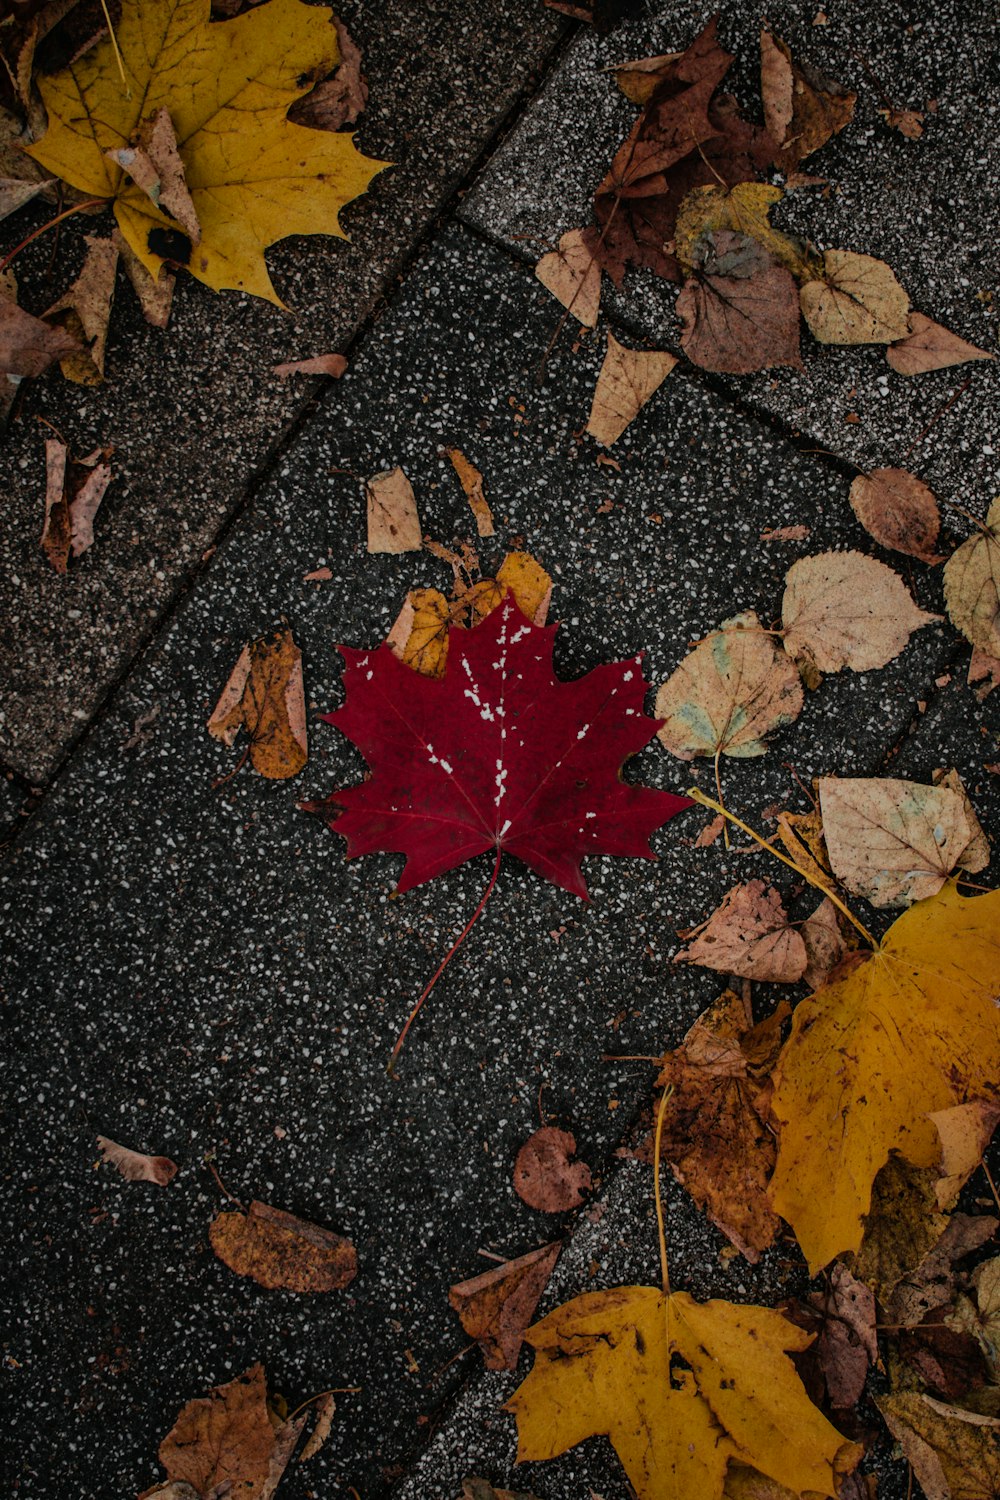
545	1176
740	311
339	100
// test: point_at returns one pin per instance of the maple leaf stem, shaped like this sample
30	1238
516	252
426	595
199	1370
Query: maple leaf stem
115	48
698	796
76	209
446	961
661	1232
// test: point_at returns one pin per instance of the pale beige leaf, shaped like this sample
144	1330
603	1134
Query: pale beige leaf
325	1410
972	585
931	347
85	310
984	673
842	609
965	1131
393	523
899	511
895	842
572	275
471	481
155	296
136	1166
154	165
749	935
333	365
84	506
858	301
628	378
735	688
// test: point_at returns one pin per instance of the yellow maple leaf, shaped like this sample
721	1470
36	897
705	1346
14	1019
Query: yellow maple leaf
678	1406
914	1030
253	177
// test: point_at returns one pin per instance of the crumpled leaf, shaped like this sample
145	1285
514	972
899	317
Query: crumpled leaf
748	935
571	274
27	344
972	585
847	1344
496	1307
856	301
472	483
918	1275
136	1166
965	1132
85	311
801	834
337	101
930	347
895	842
679	1406
333	365
715	1133
955	1454
154	165
899	511
278	1249
842	609
744	209
628	378
802	109
71	504
453	781
155	296
323	1412
912	1030
225	1443
984	674
545	1175
265	695
740	311
393	522
734	689
253	176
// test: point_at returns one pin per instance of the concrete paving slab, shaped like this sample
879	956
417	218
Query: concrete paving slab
198	970
921	205
193	412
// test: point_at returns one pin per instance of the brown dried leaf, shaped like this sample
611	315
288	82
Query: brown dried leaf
338	100
825	943
323	1412
69	518
481	1489
857	301
628	378
842	609
954	1453
801	834
972	585
847	1345
740	312
572	275
28	345
277	1249
154	165
135	1166
333	365
895	842
899	511
225	1444
155	297
472	483
265	695
496	1307
749	935
786	534
85	310
908	122
393	523
802	109
545	1177
931	347
984	670
965	1132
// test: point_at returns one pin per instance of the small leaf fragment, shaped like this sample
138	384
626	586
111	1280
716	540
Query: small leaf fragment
265	695
136	1166
155	295
572	275
930	347
69	517
964	1131
847	1344
419	636
954	1453
496	1307
842	609
278	1249
984	673
825	944
908	122
337	101
333	365
29	345
972	585
481	1489
472	483
749	935
545	1175
628	378
85	310
856	301
155	166
393	523
899	511
324	1412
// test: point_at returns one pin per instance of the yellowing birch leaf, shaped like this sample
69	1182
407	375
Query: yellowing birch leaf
912	1030
571	273
857	301
678	1406
972	585
842	609
627	380
253	177
735	688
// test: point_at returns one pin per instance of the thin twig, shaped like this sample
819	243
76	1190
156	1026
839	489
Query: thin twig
945	406
661	1232
222	1186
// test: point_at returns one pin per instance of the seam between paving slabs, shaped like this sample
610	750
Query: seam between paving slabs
316	395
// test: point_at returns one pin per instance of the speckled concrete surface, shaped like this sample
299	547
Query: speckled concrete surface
924	206
193	969
194	411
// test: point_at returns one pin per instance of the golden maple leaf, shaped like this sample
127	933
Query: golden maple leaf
253	177
678	1407
871	1057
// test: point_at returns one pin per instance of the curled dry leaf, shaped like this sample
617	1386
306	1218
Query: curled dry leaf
908	122
572	275
801	834
393	523
930	347
895	842
324	1412
226	1443
856	301
265	696
749	935
972	585
735	688
28	345
277	1249
740	311
85	310
984	674
337	101
545	1175
802	109
153	163
333	365
496	1307
899	511
954	1453
628	378
472	483
156	295
825	944
135	1166
965	1131
69	516
842	609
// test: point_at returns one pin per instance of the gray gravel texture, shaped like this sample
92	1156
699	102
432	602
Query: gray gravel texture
194	411
192	969
923	206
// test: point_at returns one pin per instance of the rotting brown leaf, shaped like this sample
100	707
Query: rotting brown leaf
393	523
333	365
71	503
740	311
337	101
972	585
85	310
278	1249
496	1307
29	345
265	696
802	109
930	347
954	1453
749	935
909	122
628	378
825	943
572	275
847	1344
857	300
546	1176
965	1132
136	1166
155	297
227	1444
899	511
842	609
471	481
154	164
